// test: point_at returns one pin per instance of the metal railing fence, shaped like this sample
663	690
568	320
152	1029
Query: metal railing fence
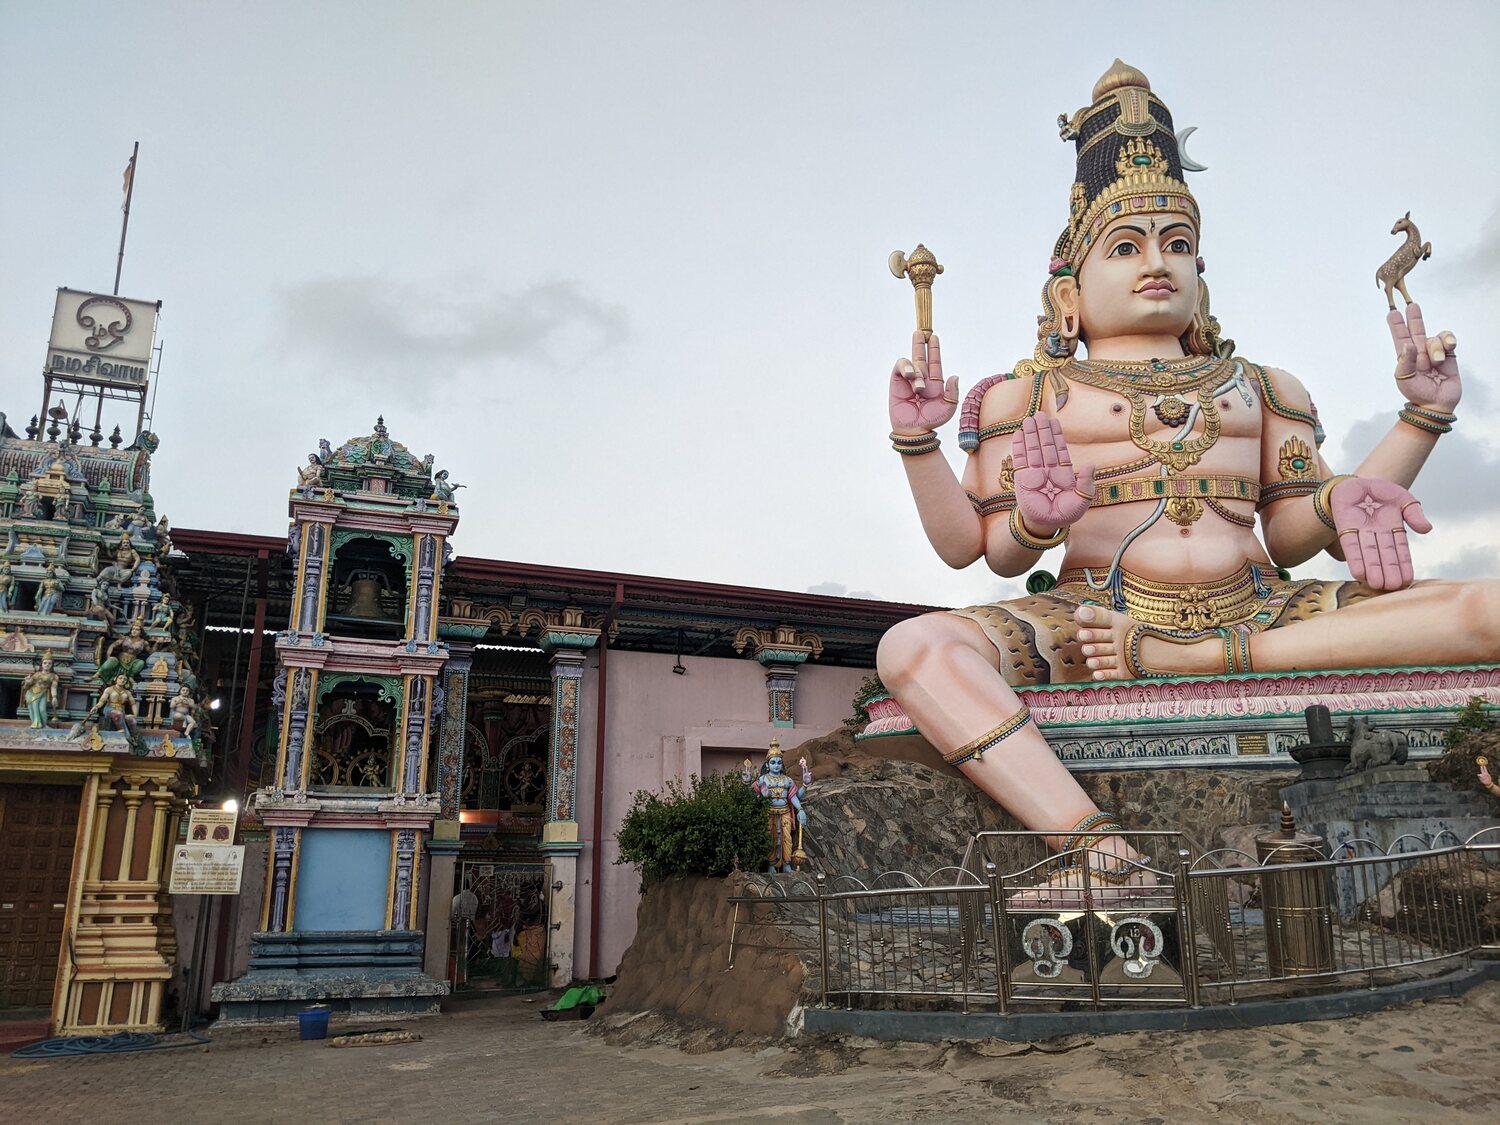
1189	927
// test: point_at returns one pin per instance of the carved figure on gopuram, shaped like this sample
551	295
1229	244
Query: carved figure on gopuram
784	794
126	655
1136	438
39	691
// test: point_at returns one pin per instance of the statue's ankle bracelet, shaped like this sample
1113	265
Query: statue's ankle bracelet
990	739
1104	822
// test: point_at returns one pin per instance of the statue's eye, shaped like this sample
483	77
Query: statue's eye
1180	246
1123	250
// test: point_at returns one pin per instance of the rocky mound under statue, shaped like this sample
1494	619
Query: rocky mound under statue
1137	438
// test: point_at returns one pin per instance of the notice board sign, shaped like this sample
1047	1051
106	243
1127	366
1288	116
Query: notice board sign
211	826
200	870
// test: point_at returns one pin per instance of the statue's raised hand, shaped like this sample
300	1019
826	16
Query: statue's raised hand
1426	367
1372	517
920	400
1049	492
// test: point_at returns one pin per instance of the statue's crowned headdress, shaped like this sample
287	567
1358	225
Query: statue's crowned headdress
1128	161
775	750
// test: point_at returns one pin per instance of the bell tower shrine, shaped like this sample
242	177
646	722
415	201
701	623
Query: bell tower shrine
356	699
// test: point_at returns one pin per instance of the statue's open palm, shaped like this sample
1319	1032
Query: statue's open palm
1049	492
1372	517
1426	367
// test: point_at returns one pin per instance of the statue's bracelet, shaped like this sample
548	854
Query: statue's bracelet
1322	497
914	445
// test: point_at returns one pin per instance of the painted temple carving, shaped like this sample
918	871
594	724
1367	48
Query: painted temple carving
100	661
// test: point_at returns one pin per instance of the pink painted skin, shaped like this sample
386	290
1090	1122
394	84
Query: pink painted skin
919	399
1049	492
1372	518
1426	367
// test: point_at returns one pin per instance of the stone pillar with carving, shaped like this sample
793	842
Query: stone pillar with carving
567	648
781	652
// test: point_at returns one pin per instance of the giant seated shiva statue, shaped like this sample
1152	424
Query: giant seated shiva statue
1139	442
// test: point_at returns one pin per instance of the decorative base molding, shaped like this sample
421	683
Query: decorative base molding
370	974
1247	720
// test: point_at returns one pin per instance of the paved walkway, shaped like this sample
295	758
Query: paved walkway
1430	1061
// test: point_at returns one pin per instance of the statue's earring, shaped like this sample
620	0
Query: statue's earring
1201	266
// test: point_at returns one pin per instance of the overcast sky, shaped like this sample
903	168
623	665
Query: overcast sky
621	267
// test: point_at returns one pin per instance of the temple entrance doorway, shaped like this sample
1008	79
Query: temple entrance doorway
38	831
505	947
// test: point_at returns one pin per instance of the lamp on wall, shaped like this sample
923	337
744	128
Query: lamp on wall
678	669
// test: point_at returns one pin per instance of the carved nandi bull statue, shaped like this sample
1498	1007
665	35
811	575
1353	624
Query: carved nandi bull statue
1370	748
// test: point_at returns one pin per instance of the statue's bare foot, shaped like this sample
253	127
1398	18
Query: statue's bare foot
1113	884
1118	647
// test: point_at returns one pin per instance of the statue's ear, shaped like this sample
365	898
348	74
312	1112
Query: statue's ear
1064	294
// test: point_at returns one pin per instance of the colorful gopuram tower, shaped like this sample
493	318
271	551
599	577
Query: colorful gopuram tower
357	698
102	735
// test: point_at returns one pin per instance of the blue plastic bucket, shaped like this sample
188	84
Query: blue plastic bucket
313	1023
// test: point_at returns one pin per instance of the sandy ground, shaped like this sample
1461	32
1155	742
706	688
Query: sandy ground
1432	1061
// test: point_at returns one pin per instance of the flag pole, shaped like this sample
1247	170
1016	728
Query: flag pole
125	222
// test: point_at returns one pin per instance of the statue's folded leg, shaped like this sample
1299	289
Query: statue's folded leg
1325	625
946	675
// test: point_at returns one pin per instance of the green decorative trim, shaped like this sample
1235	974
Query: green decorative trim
389	689
553	639
1010	426
1276	405
400	545
782	656
463	630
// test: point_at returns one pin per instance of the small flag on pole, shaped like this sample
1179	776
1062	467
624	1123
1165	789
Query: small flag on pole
129	177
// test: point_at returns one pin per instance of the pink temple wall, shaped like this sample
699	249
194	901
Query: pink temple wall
662	726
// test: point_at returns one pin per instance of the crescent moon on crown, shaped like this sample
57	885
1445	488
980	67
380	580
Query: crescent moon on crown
1188	164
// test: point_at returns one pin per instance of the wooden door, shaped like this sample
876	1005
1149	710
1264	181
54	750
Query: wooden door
38	828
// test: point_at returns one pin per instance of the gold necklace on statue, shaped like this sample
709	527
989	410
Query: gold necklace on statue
1165	382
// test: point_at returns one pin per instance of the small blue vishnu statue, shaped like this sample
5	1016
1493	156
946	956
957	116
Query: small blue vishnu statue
782	791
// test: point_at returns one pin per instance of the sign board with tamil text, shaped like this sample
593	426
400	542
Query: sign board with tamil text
199	870
101	340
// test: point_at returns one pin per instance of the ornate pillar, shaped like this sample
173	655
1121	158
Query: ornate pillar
414	741
120	937
781	652
566	648
307	614
403	897
279	880
423	620
452	729
296	728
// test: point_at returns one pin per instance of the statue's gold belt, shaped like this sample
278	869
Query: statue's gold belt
1176	488
1252	595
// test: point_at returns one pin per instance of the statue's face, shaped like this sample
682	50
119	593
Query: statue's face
1141	278
773	766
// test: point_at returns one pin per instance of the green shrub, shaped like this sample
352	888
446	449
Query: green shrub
1472	735
711	827
868	690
